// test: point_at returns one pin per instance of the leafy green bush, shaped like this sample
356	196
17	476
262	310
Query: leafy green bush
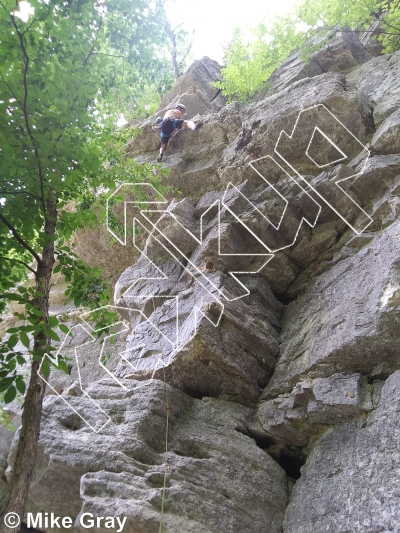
312	26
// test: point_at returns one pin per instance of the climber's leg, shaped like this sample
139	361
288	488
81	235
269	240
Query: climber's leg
163	147
178	123
191	125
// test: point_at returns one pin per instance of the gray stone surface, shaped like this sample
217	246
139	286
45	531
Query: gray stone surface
387	138
194	89
219	153
350	480
379	79
230	357
194	322
291	419
347	319
342	54
11	419
214	472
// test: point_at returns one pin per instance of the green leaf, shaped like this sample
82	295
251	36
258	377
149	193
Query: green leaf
12	341
36	312
52	335
62	365
14	297
53	321
46	368
23	337
20	384
5	384
10	394
37	328
64	328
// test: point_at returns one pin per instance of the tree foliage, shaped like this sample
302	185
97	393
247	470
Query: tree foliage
245	69
147	63
248	65
63	75
312	25
57	79
177	42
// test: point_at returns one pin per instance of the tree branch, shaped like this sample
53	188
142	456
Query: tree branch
390	26
21	192
179	25
172	37
19	239
36	19
92	49
18	261
25	112
11	91
111	55
189	47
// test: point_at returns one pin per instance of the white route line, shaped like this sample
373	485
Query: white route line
181	258
344	156
303	219
161	200
363	148
179	261
89	330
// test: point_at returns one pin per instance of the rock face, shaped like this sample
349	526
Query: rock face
354	325
194	89
343	54
232	360
347	483
209	467
254	388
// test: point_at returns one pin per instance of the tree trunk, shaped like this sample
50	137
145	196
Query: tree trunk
174	51
175	62
22	469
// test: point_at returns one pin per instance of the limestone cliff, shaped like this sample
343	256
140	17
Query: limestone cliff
263	320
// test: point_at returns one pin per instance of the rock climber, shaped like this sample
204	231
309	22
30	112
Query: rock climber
173	121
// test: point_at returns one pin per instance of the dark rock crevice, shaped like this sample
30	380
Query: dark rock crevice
292	464
284	298
290	458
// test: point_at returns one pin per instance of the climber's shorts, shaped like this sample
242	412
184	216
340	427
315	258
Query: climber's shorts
167	127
